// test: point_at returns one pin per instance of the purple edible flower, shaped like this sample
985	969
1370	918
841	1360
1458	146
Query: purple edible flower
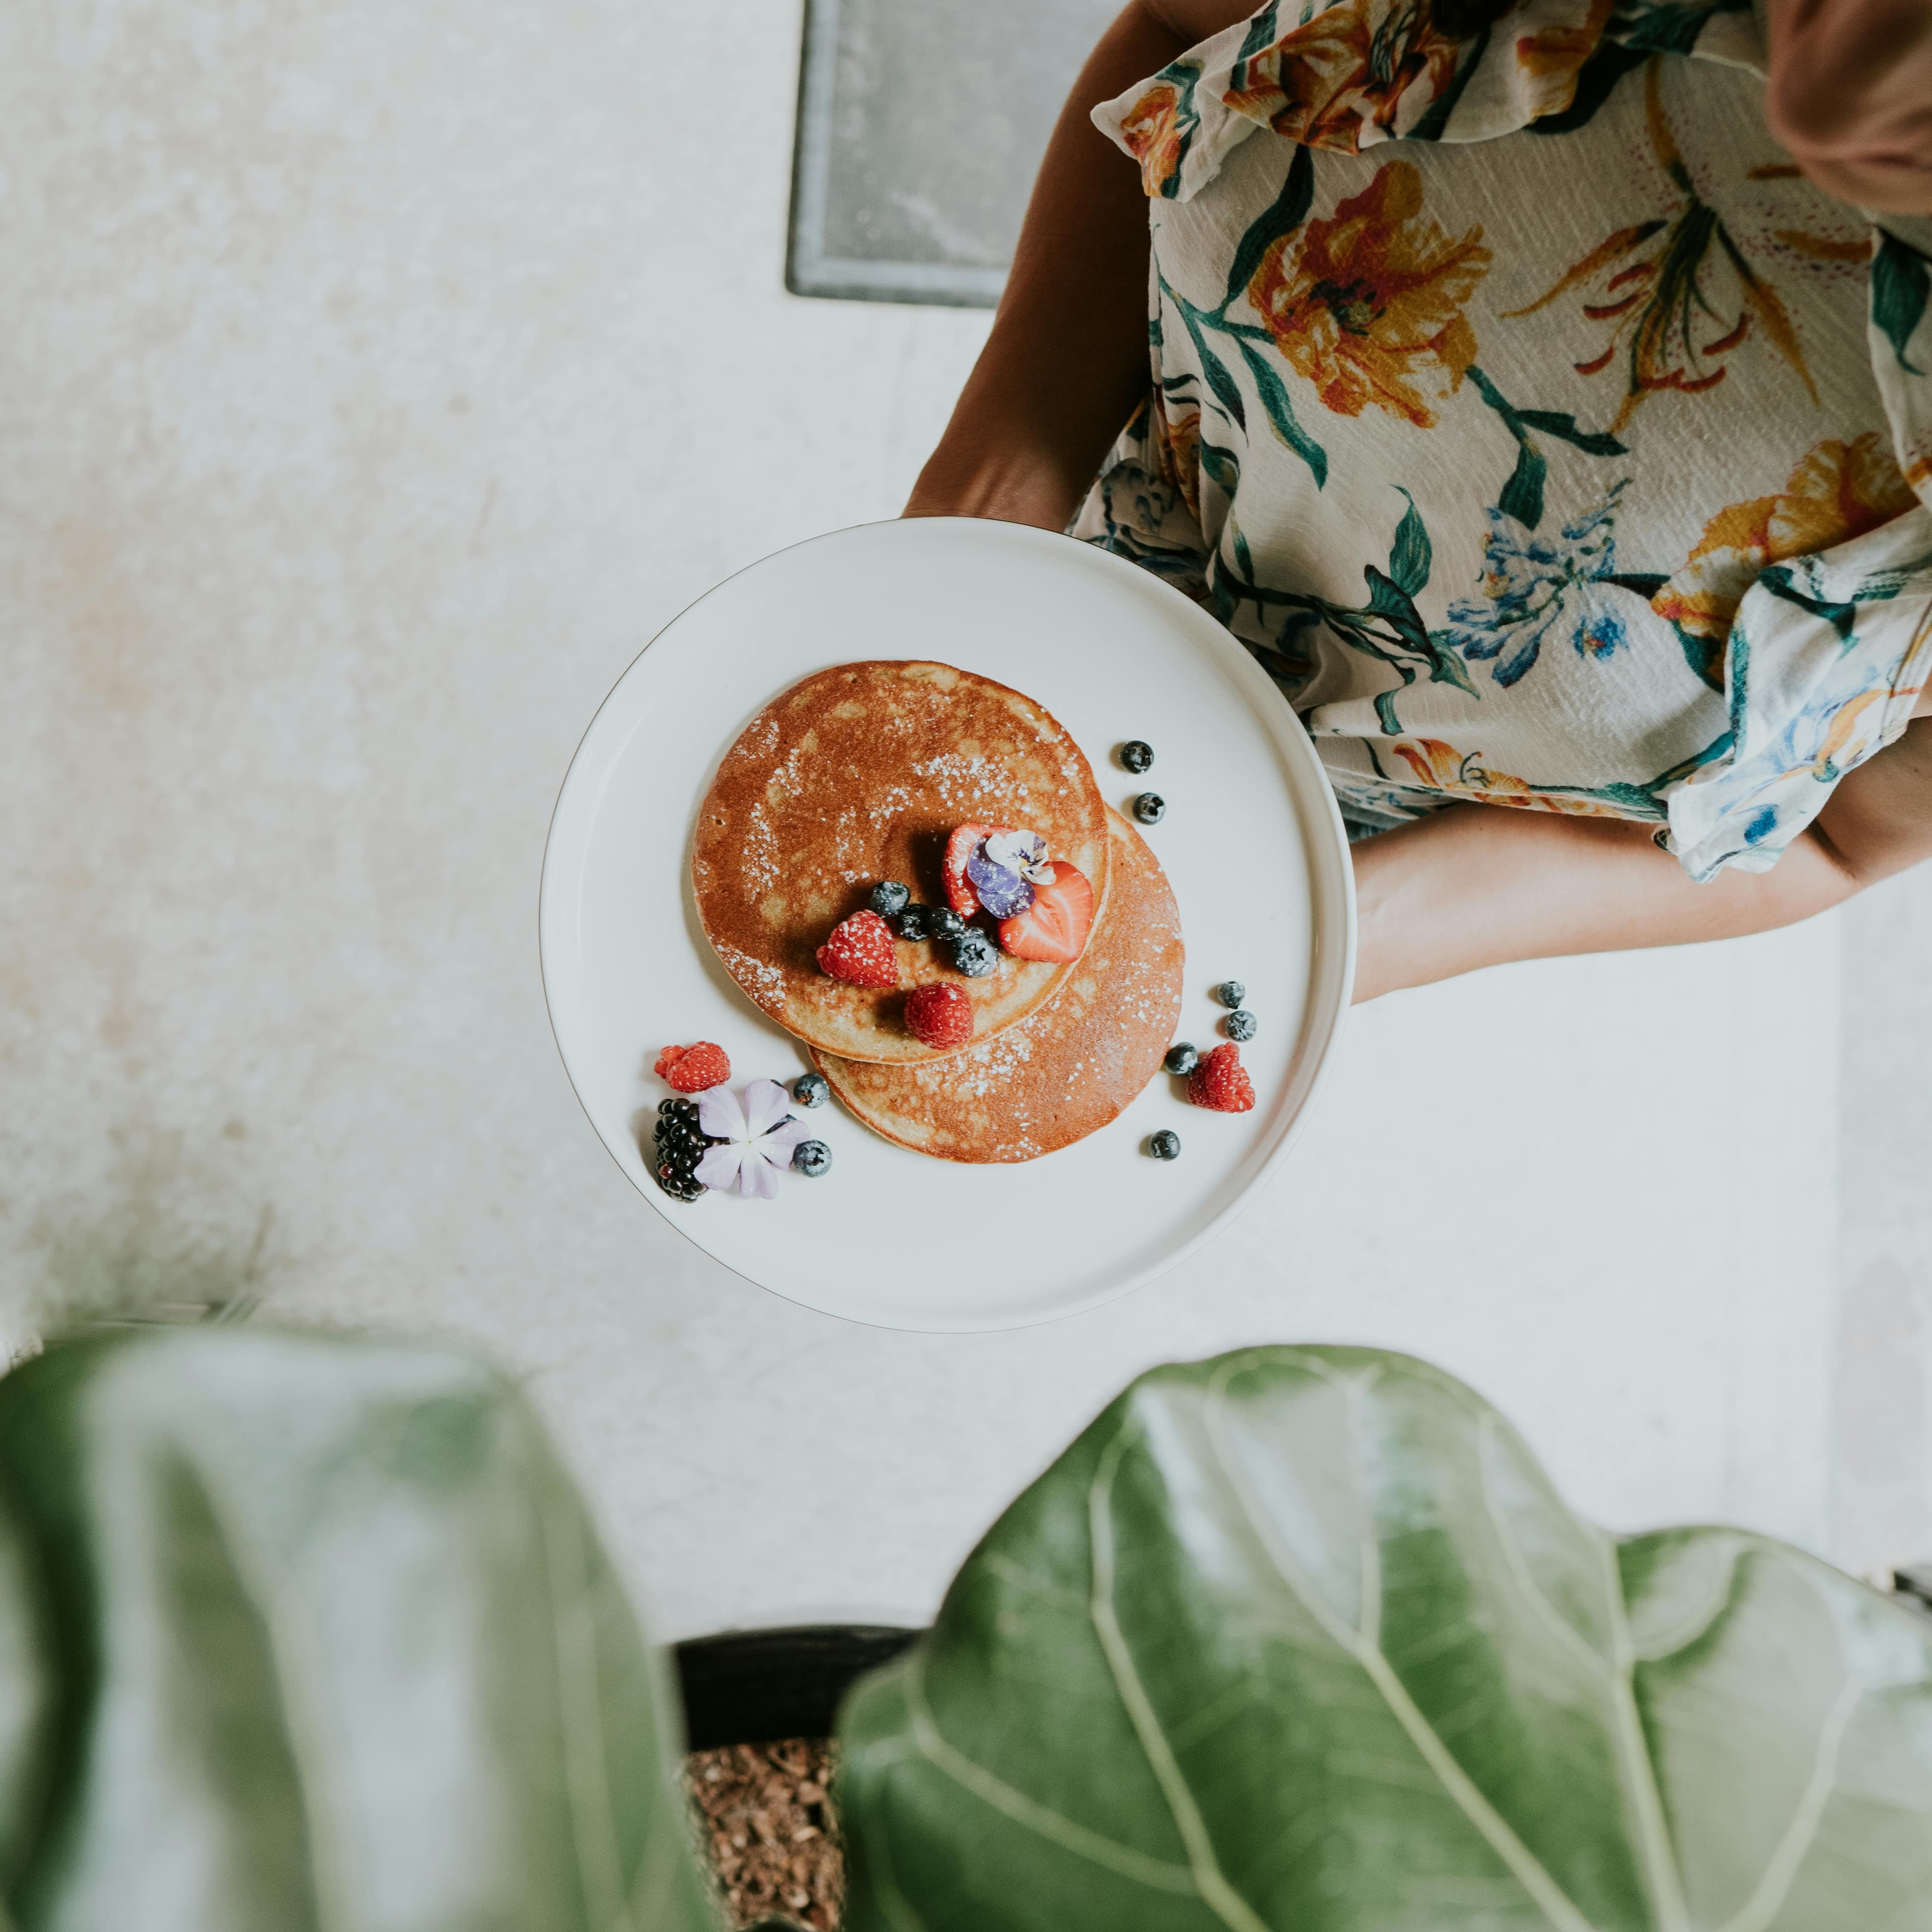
1021	852
757	1139
1003	868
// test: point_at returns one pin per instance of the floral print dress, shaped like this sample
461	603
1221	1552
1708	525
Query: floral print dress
1549	439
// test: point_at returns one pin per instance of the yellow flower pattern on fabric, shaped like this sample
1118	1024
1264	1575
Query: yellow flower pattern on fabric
1151	132
1340	81
1838	490
1442	768
1657	301
1362	71
1365	302
1177	439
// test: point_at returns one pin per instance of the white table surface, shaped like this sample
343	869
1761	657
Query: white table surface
377	380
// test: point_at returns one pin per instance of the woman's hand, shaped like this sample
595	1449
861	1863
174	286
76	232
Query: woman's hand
1066	363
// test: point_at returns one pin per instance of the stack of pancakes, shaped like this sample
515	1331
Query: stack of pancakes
857	775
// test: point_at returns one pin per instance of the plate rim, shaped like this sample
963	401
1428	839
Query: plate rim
1332	971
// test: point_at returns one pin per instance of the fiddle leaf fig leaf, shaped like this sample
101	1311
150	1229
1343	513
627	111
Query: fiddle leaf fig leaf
1304	1640
302	1631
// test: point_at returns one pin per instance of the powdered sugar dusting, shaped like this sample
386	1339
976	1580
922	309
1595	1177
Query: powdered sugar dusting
765	984
758	861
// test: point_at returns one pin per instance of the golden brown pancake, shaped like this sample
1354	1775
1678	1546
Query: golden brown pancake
1054	1078
858	775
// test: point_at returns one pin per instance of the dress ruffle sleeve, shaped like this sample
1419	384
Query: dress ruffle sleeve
1901	340
1356	72
1828	651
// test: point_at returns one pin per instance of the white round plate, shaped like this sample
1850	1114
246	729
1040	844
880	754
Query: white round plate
1252	842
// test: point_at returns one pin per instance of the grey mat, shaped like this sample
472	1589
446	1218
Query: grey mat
921	123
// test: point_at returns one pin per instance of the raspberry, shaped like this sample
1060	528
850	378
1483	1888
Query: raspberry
690	1069
939	1015
1221	1082
860	952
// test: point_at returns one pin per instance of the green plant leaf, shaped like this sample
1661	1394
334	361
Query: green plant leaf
305	1632
1303	1640
1281	415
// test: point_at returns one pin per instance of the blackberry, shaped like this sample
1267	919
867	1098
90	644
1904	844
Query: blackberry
1181	1058
912	923
1239	1026
1165	1145
890	897
680	1146
942	923
810	1090
1150	808
1137	755
974	954
811	1158
1230	993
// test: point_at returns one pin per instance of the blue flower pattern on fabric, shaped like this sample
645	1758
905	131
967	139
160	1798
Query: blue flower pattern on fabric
1534	586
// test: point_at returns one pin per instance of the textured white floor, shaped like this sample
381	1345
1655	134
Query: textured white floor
376	381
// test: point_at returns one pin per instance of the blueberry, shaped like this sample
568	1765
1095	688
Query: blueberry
1165	1145
1150	808
810	1090
1230	993
889	896
1137	755
811	1158
1240	1026
943	922
1181	1058
913	922
974	954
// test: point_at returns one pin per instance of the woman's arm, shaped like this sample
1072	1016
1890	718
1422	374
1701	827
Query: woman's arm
1477	885
1067	362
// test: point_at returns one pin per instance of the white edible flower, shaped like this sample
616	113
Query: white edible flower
1021	852
757	1139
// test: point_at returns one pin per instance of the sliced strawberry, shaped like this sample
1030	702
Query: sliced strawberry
1056	925
939	1015
691	1069
861	953
1221	1082
959	893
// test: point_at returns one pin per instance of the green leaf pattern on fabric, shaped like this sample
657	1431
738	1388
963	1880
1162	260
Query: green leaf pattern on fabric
1901	287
